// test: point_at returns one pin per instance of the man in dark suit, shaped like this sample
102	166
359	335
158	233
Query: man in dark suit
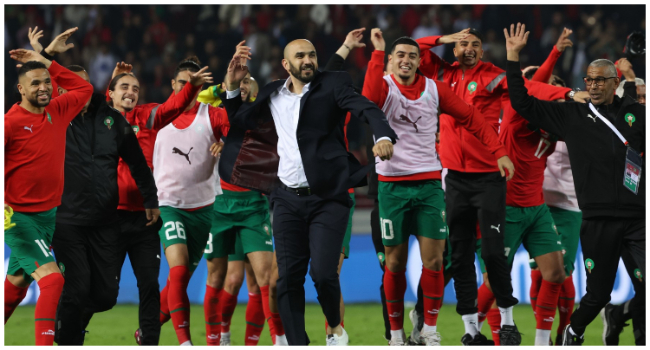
290	143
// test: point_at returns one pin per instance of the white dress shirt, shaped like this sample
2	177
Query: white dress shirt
285	109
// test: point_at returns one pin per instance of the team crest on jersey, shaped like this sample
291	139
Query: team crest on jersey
472	87
589	264
199	128
638	275
629	118
108	121
136	129
49	117
267	229
62	268
381	258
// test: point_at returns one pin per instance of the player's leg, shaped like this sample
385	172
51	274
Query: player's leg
601	242
70	246
461	219
568	227
234	281
143	247
254	309
395	219
276	327
261	261
329	220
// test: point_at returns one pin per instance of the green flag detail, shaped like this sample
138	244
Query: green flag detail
136	129
638	275
629	118
108	121
589	264
49	117
472	87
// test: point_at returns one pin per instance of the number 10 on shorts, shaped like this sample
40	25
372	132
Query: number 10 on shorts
178	227
387	229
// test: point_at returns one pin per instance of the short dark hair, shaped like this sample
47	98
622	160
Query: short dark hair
76	68
476	33
405	40
30	66
191	64
113	83
530	73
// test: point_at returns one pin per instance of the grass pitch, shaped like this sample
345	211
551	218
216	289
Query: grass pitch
363	322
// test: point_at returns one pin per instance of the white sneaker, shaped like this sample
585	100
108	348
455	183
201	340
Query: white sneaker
187	343
335	340
416	337
397	341
281	340
431	338
225	339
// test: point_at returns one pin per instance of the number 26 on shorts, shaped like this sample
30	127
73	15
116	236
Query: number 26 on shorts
178	227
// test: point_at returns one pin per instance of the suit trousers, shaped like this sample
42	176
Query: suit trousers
471	197
603	243
304	228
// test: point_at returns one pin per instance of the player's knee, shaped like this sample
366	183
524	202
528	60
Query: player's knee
556	276
433	263
234	283
215	280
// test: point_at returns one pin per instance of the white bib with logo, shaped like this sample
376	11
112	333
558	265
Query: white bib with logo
184	169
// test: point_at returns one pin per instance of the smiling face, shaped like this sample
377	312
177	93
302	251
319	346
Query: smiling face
125	94
469	51
245	87
35	87
404	62
300	60
604	93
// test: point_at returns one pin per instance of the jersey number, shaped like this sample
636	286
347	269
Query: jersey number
540	150
43	246
208	248
507	251
387	229
179	228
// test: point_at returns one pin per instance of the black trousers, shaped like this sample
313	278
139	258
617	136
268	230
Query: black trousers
637	304
88	257
142	243
375	228
471	197
304	228
603	243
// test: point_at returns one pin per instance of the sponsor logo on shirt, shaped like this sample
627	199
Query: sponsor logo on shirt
415	123
30	128
175	150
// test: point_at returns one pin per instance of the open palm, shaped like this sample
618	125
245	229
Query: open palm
517	38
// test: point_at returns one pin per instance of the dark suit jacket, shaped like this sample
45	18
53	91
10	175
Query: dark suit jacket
249	158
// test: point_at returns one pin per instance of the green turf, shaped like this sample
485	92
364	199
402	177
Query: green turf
363	323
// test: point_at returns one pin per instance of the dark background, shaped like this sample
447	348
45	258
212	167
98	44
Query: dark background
155	38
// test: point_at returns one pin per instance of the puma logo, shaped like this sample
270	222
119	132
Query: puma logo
406	119
453	84
186	155
30	128
496	227
591	116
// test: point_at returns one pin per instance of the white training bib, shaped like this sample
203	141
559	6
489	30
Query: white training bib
416	123
184	169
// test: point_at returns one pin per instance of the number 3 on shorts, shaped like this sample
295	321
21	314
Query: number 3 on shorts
386	228
208	248
178	227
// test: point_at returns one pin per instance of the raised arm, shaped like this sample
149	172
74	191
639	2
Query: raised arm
550	116
545	71
352	41
431	65
237	70
374	85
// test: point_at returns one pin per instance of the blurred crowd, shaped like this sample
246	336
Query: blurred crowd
154	38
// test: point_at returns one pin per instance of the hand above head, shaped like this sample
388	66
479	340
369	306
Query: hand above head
504	163
626	68
383	149
353	39
563	41
454	38
237	68
377	39
22	56
201	77
33	36
121	68
58	45
515	40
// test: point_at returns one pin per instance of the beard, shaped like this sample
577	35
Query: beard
35	102
297	72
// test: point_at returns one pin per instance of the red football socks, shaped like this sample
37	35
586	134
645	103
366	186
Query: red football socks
395	287
228	305
566	301
179	303
254	319
433	288
13	296
212	314
546	304
51	287
535	285
264	290
164	306
485	301
494	321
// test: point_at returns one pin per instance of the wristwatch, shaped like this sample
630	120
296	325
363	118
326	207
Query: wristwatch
570	95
